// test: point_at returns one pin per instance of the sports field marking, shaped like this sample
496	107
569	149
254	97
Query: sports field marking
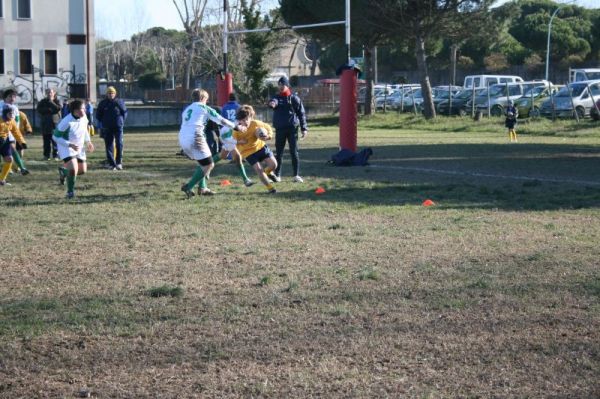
475	174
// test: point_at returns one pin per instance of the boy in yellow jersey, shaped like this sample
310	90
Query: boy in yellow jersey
8	128
252	147
25	129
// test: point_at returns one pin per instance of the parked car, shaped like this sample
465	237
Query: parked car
386	99
441	93
500	94
574	96
581	74
539	95
401	101
458	105
485	81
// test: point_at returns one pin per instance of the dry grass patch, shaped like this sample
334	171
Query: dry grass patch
360	292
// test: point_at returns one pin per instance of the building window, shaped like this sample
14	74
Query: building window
1	8
76	39
50	62
1	61
24	9
25	62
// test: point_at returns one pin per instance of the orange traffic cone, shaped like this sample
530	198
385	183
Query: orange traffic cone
320	190
225	183
428	202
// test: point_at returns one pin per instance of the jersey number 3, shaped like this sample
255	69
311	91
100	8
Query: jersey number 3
188	115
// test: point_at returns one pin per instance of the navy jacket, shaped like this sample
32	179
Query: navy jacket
289	112
111	113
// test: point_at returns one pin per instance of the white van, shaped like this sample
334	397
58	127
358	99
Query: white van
484	81
581	74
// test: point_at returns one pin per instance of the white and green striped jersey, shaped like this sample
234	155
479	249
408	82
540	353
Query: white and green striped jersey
196	115
71	130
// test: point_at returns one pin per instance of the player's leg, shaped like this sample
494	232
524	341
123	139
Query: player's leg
70	164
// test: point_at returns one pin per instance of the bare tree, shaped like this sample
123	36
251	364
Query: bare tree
191	13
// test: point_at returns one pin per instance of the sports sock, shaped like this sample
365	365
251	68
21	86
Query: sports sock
242	171
216	158
71	183
269	186
196	177
18	160
203	184
5	170
268	170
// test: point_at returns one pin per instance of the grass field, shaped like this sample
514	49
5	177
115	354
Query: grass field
130	291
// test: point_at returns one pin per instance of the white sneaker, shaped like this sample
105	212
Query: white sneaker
119	167
298	179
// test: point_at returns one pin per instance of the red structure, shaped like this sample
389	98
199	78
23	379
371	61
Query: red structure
348	111
224	87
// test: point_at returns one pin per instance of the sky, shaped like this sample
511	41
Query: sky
120	19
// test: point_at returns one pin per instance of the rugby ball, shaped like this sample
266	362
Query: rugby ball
261	133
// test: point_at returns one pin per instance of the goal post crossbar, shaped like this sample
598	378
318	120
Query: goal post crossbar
292	27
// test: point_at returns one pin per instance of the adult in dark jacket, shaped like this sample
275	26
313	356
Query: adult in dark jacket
49	109
288	115
111	114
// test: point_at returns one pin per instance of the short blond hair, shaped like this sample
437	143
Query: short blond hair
245	111
199	95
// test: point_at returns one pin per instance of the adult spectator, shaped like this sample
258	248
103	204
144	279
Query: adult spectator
288	115
49	110
111	113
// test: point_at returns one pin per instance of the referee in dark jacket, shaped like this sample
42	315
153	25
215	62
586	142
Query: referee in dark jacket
288	116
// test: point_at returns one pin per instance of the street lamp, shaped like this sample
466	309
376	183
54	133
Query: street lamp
549	30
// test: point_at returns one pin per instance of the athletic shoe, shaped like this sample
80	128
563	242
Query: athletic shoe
56	158
248	183
297	179
24	172
119	167
273	191
70	194
4	183
206	191
189	193
61	176
274	178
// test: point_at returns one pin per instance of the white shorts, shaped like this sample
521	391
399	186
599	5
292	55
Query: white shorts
194	145
66	152
229	144
11	138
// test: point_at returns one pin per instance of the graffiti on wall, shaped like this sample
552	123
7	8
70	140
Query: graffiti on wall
33	86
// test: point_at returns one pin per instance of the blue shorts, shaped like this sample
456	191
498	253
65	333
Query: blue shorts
259	155
5	148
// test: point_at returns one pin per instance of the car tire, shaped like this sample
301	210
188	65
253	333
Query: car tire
462	112
534	112
594	114
497	110
580	112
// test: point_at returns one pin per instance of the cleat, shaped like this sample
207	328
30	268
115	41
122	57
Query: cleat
24	172
274	178
4	183
119	167
297	179
206	191
70	195
248	183
273	191
189	193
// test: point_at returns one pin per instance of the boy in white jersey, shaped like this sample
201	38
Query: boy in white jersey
72	138
192	140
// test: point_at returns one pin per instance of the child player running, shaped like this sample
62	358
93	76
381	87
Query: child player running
8	129
252	147
72	139
192	140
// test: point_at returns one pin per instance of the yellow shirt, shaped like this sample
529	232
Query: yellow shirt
251	143
10	126
24	125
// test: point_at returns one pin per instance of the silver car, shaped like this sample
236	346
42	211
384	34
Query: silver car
576	96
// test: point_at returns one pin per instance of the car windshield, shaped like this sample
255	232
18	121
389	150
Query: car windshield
444	94
535	92
593	75
576	90
498	90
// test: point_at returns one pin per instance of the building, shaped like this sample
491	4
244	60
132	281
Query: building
47	44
